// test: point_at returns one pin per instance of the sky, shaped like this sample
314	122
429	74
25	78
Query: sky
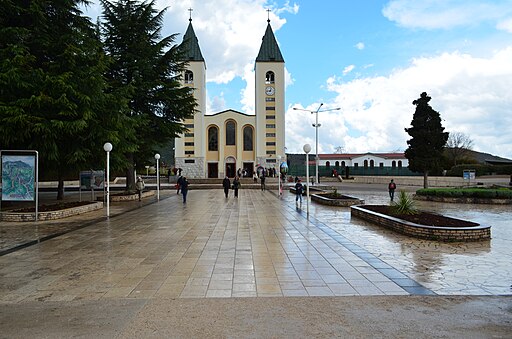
370	58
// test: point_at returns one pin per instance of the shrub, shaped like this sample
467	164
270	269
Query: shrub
404	205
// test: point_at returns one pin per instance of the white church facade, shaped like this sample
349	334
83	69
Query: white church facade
219	144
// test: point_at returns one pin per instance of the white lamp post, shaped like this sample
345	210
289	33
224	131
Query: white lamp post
279	176
307	149
157	157
108	147
316	125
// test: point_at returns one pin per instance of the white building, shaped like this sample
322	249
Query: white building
217	145
366	160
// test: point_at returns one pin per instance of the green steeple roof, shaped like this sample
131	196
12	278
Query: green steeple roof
190	45
269	50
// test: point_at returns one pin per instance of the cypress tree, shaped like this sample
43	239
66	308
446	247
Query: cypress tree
426	146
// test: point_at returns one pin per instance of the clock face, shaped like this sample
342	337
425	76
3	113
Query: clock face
269	90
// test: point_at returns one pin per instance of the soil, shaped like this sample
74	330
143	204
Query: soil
53	207
336	196
422	218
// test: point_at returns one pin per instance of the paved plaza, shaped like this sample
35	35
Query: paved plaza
256	251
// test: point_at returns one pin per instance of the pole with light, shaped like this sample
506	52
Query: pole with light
316	125
307	149
157	157
279	176
108	147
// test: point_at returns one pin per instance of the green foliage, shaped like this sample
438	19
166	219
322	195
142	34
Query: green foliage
404	205
480	169
425	150
335	193
480	192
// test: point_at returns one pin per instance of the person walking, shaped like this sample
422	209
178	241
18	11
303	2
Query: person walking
226	184
236	186
184	189
391	189
298	192
178	184
139	185
262	178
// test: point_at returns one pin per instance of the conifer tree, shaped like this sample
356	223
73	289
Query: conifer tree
146	68
51	84
426	146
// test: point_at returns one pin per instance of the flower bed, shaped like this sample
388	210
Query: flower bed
424	225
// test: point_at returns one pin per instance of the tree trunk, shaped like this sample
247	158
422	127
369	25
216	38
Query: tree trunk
425	179
129	173
60	187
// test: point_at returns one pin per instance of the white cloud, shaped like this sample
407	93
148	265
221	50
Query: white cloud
359	45
444	14
505	25
471	94
348	69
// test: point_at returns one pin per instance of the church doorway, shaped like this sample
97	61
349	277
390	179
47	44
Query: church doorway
230	167
213	170
249	168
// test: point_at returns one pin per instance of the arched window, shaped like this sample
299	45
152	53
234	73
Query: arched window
213	139
372	163
230	133
393	164
270	77
399	163
337	164
343	164
189	77
328	164
248	139
366	164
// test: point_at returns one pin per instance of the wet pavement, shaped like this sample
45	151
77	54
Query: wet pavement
253	246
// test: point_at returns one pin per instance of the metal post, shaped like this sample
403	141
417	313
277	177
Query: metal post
108	147
157	157
307	149
279	176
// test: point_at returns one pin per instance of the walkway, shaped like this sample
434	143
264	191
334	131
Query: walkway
254	246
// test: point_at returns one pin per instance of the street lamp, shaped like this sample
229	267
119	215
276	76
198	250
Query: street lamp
108	147
316	125
157	157
279	176
307	149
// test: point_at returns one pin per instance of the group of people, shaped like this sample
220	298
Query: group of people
226	184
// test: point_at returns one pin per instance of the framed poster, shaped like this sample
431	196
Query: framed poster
92	180
18	177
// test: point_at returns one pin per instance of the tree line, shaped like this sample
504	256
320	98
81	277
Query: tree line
68	85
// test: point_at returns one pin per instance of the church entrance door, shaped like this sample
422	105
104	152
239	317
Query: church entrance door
230	170
249	168
213	170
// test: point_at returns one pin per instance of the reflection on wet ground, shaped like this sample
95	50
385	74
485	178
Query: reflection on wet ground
475	268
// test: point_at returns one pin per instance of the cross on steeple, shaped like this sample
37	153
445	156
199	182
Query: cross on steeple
190	10
268	15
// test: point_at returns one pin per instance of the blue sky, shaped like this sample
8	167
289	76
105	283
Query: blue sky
371	58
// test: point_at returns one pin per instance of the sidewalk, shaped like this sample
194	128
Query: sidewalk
248	267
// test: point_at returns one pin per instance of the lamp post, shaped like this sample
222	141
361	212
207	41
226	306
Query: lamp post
316	125
108	147
279	176
157	157
307	149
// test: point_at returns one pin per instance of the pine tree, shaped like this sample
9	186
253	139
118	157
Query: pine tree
146	68
426	146
51	84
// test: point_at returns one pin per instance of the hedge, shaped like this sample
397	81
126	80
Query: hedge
486	193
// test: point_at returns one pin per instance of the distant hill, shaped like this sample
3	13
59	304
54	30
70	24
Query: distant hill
486	158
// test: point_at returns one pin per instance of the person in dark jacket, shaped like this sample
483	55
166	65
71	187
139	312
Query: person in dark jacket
226	184
184	189
298	192
178	184
236	185
262	179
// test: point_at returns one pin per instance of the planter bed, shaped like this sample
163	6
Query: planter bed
50	212
128	196
441	228
463	200
341	200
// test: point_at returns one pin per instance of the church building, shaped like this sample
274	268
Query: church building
219	144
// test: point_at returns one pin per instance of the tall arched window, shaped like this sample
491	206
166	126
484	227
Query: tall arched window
230	133
343	164
328	164
399	163
372	163
393	164
337	164
189	77
366	164
213	139
248	138
270	77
